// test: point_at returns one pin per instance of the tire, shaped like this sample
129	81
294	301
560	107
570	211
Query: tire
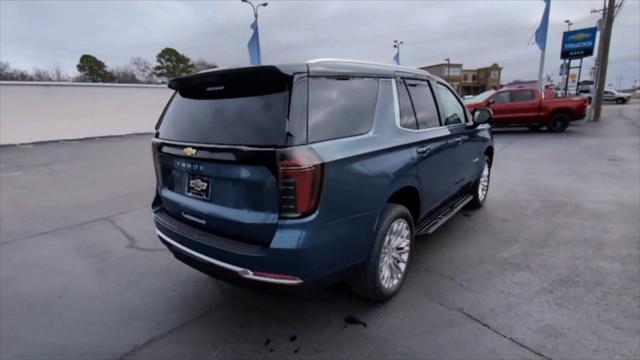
559	123
480	188
620	101
374	281
535	127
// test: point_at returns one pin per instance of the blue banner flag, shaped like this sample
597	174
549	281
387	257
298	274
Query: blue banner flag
254	45
397	58
541	32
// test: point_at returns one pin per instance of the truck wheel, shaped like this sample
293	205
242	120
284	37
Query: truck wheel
620	101
559	122
386	268
481	186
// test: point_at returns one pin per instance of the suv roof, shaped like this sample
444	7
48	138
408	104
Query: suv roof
316	67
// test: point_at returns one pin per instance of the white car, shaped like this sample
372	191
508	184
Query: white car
612	95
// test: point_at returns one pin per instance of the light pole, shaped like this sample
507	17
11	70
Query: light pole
254	43
565	71
569	23
396	45
448	73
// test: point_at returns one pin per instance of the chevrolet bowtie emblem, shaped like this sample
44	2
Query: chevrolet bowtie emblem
189	151
198	184
579	36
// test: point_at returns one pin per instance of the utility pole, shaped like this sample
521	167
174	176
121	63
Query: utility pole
605	41
596	66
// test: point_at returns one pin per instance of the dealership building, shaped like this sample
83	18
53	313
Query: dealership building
467	81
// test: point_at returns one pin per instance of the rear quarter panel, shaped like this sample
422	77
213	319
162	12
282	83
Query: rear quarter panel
574	106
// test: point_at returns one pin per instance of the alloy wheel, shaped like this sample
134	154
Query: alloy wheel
483	187
394	254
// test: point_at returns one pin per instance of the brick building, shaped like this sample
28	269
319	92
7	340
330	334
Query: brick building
467	81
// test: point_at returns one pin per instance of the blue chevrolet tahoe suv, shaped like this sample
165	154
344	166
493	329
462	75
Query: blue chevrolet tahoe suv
304	174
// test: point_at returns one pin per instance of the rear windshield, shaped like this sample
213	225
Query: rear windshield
251	120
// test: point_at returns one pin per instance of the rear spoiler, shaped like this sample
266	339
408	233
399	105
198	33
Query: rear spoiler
268	77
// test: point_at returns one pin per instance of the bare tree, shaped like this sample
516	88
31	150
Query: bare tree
125	74
7	73
58	74
4	69
52	74
143	70
40	75
200	65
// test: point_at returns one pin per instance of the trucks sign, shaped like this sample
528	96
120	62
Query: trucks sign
577	44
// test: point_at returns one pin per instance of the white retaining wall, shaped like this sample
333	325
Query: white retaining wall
42	111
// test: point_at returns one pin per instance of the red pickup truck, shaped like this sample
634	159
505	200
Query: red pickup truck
530	107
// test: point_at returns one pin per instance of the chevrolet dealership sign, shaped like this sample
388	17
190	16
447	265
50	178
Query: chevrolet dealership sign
577	44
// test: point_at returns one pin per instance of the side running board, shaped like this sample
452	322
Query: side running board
430	224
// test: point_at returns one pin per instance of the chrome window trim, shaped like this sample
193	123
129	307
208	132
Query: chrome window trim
245	273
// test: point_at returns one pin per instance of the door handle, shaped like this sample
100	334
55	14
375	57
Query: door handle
423	150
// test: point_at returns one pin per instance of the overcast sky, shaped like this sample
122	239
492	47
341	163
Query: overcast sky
475	33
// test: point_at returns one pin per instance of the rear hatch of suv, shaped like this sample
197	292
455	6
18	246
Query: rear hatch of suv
216	150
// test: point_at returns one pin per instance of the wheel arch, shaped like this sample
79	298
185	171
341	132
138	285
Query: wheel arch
562	110
409	197
489	153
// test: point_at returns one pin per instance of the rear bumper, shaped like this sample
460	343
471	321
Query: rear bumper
581	116
214	264
301	255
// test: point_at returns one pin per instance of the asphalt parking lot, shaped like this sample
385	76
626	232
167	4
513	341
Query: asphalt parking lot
549	268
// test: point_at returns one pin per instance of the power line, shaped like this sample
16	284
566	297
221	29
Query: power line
618	8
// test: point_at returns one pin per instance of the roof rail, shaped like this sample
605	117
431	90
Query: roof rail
319	60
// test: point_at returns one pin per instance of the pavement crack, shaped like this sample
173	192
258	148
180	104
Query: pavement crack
138	347
449	278
504	336
132	240
71	226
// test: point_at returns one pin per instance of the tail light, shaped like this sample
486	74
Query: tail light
301	171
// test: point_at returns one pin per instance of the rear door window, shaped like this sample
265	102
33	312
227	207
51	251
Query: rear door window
340	107
423	103
407	116
525	95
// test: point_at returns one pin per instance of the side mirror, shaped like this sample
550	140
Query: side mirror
482	116
492	101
